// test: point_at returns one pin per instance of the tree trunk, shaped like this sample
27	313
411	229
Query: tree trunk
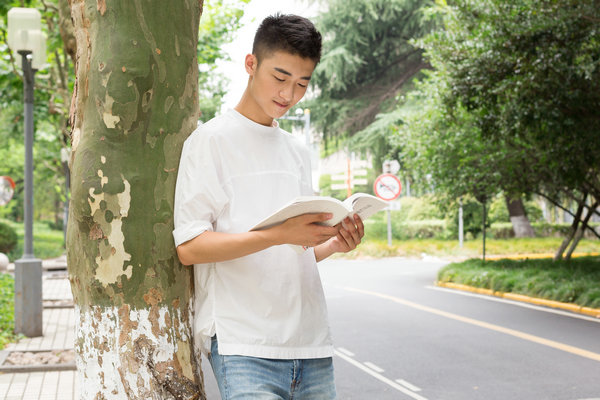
135	102
572	231
518	217
66	29
580	231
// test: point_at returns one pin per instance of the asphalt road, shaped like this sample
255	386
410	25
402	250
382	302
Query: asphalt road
398	337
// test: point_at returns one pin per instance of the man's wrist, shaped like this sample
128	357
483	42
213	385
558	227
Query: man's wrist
323	251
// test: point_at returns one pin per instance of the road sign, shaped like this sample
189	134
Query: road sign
391	167
7	189
387	187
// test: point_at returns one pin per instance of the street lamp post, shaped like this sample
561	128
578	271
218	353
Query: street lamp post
304	116
25	36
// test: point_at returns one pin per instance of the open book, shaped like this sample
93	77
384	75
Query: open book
362	204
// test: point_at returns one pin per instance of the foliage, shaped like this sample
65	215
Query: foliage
7	310
573	281
54	86
499	212
504	230
511	105
367	59
8	238
220	20
450	249
47	242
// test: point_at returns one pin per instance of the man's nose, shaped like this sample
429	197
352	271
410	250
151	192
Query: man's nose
287	92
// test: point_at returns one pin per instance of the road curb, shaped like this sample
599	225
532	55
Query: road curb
534	256
593	312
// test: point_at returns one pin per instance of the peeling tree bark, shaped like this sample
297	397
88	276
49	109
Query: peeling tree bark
135	102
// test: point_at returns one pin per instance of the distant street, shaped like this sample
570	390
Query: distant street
399	337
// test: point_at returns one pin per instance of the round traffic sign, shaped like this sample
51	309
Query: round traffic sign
387	187
7	189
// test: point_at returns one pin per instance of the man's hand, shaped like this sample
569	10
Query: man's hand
305	230
349	236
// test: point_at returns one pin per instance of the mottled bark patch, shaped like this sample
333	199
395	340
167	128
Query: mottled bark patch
125	357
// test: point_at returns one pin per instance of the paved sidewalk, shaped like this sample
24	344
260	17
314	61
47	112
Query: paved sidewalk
58	334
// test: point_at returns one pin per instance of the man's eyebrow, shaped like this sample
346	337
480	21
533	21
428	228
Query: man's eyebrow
283	71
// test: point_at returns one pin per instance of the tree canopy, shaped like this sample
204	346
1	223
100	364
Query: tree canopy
367	58
512	102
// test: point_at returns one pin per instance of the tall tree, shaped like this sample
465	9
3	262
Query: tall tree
526	74
367	59
136	101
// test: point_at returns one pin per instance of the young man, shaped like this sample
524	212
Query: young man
260	312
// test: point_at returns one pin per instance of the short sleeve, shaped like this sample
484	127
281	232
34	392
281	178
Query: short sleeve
199	194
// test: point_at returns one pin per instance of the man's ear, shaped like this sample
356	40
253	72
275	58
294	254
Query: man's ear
251	64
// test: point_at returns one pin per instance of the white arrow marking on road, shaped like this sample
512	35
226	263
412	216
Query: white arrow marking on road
379	376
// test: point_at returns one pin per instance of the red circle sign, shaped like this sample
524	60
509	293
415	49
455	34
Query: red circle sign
7	189
387	187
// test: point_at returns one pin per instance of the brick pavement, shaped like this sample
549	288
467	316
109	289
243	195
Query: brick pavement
58	333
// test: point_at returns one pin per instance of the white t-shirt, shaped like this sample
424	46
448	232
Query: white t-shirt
233	173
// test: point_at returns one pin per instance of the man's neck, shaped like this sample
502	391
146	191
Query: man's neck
249	109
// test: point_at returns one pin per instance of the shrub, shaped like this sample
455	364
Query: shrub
376	228
424	208
8	238
472	218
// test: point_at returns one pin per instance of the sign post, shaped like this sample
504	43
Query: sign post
388	187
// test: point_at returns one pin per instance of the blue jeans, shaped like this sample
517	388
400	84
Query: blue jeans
241	377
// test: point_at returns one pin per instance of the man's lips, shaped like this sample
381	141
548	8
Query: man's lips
280	104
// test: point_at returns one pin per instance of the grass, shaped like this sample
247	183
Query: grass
375	248
47	243
7	306
575	281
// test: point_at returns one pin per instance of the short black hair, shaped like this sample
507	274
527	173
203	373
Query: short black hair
290	33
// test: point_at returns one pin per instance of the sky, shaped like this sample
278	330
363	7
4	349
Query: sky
254	13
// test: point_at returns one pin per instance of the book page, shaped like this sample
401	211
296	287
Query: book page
365	205
306	205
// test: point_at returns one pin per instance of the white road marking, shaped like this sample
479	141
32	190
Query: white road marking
379	376
409	385
515	303
345	351
374	367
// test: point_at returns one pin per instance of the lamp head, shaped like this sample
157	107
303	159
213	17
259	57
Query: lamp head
25	34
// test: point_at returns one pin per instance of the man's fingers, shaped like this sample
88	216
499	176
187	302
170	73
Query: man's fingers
347	237
317	217
359	225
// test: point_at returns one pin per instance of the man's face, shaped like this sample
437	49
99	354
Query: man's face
277	84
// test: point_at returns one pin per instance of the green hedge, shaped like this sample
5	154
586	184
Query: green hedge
403	229
7	305
8	238
504	230
574	281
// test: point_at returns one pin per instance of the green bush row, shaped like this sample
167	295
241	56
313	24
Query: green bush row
402	229
7	324
8	238
504	230
573	281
